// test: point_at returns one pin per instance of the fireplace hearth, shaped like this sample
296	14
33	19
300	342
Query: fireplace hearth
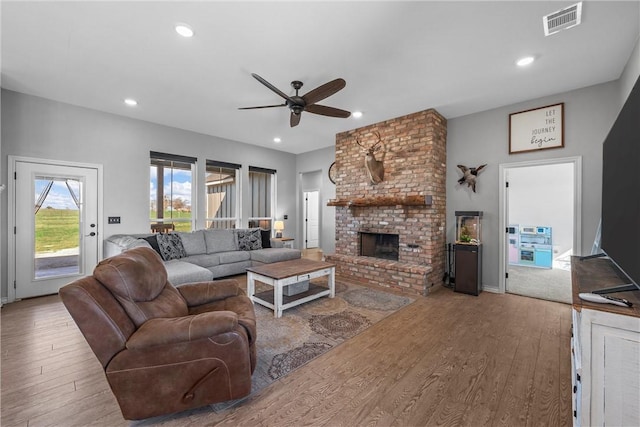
380	245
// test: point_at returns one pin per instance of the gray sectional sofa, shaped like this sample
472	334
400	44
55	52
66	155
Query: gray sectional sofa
205	254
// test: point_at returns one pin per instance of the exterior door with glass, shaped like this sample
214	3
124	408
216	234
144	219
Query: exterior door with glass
56	226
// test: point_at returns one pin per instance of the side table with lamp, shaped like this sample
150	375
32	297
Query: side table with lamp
287	242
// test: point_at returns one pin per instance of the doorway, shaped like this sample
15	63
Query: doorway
309	205
55	221
541	217
311	231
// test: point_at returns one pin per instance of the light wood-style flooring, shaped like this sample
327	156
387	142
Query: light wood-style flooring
447	359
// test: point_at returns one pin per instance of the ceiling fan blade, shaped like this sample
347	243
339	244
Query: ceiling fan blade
327	111
324	91
262	106
272	87
294	119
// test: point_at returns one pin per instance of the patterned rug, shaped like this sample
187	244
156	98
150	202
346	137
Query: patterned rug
311	329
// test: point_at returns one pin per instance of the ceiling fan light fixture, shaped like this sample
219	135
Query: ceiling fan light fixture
277	140
307	102
184	30
356	114
131	102
523	62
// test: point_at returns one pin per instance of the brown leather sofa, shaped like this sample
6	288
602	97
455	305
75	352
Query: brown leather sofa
164	349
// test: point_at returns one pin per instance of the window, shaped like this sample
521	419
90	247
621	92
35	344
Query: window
171	179
222	194
262	195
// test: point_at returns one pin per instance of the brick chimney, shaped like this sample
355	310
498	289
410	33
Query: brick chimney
409	202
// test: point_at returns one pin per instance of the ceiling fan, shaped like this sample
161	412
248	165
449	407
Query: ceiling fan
297	104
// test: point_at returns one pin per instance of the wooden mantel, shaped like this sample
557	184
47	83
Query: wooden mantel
382	201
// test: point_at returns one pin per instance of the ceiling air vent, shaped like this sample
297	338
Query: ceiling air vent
562	19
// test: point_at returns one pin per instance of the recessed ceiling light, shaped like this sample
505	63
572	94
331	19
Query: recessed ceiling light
356	114
522	62
277	140
131	102
184	30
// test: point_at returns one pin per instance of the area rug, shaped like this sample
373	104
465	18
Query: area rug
311	329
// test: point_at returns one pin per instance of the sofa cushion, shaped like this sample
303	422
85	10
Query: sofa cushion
203	260
268	256
224	270
153	242
124	241
266	238
170	246
233	256
193	243
249	240
220	240
139	243
184	272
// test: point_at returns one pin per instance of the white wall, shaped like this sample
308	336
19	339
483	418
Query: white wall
320	160
630	73
484	137
36	127
41	128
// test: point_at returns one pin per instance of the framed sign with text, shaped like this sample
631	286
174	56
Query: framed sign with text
537	129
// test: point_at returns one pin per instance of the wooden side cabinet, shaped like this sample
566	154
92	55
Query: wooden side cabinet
605	351
468	269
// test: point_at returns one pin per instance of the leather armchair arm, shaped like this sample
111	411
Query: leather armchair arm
204	292
162	331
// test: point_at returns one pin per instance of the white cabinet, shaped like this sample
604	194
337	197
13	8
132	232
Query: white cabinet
605	350
606	362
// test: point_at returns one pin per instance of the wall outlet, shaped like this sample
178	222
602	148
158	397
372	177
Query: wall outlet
113	220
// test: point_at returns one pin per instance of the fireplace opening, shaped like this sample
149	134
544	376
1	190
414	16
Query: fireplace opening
380	245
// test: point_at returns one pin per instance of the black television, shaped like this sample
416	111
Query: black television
620	227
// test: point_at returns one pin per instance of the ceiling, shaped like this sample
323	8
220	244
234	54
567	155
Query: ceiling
396	57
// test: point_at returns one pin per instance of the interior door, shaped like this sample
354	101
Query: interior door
56	227
312	219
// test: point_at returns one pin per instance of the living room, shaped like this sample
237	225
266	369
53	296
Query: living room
37	127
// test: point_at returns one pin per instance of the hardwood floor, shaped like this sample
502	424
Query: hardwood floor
447	359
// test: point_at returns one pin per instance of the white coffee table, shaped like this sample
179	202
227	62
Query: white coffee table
281	274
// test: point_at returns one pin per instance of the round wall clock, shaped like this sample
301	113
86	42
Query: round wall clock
333	172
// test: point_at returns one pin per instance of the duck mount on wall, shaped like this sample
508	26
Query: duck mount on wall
470	175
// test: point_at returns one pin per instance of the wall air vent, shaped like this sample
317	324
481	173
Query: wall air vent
562	19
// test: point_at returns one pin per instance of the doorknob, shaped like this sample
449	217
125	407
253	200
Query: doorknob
93	233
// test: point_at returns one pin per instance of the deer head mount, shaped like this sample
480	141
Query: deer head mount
374	167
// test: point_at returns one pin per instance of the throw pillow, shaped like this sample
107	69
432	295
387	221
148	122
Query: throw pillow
139	243
193	242
220	240
249	240
266	238
170	246
153	242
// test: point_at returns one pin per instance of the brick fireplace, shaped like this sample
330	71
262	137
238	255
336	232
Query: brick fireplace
410	202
